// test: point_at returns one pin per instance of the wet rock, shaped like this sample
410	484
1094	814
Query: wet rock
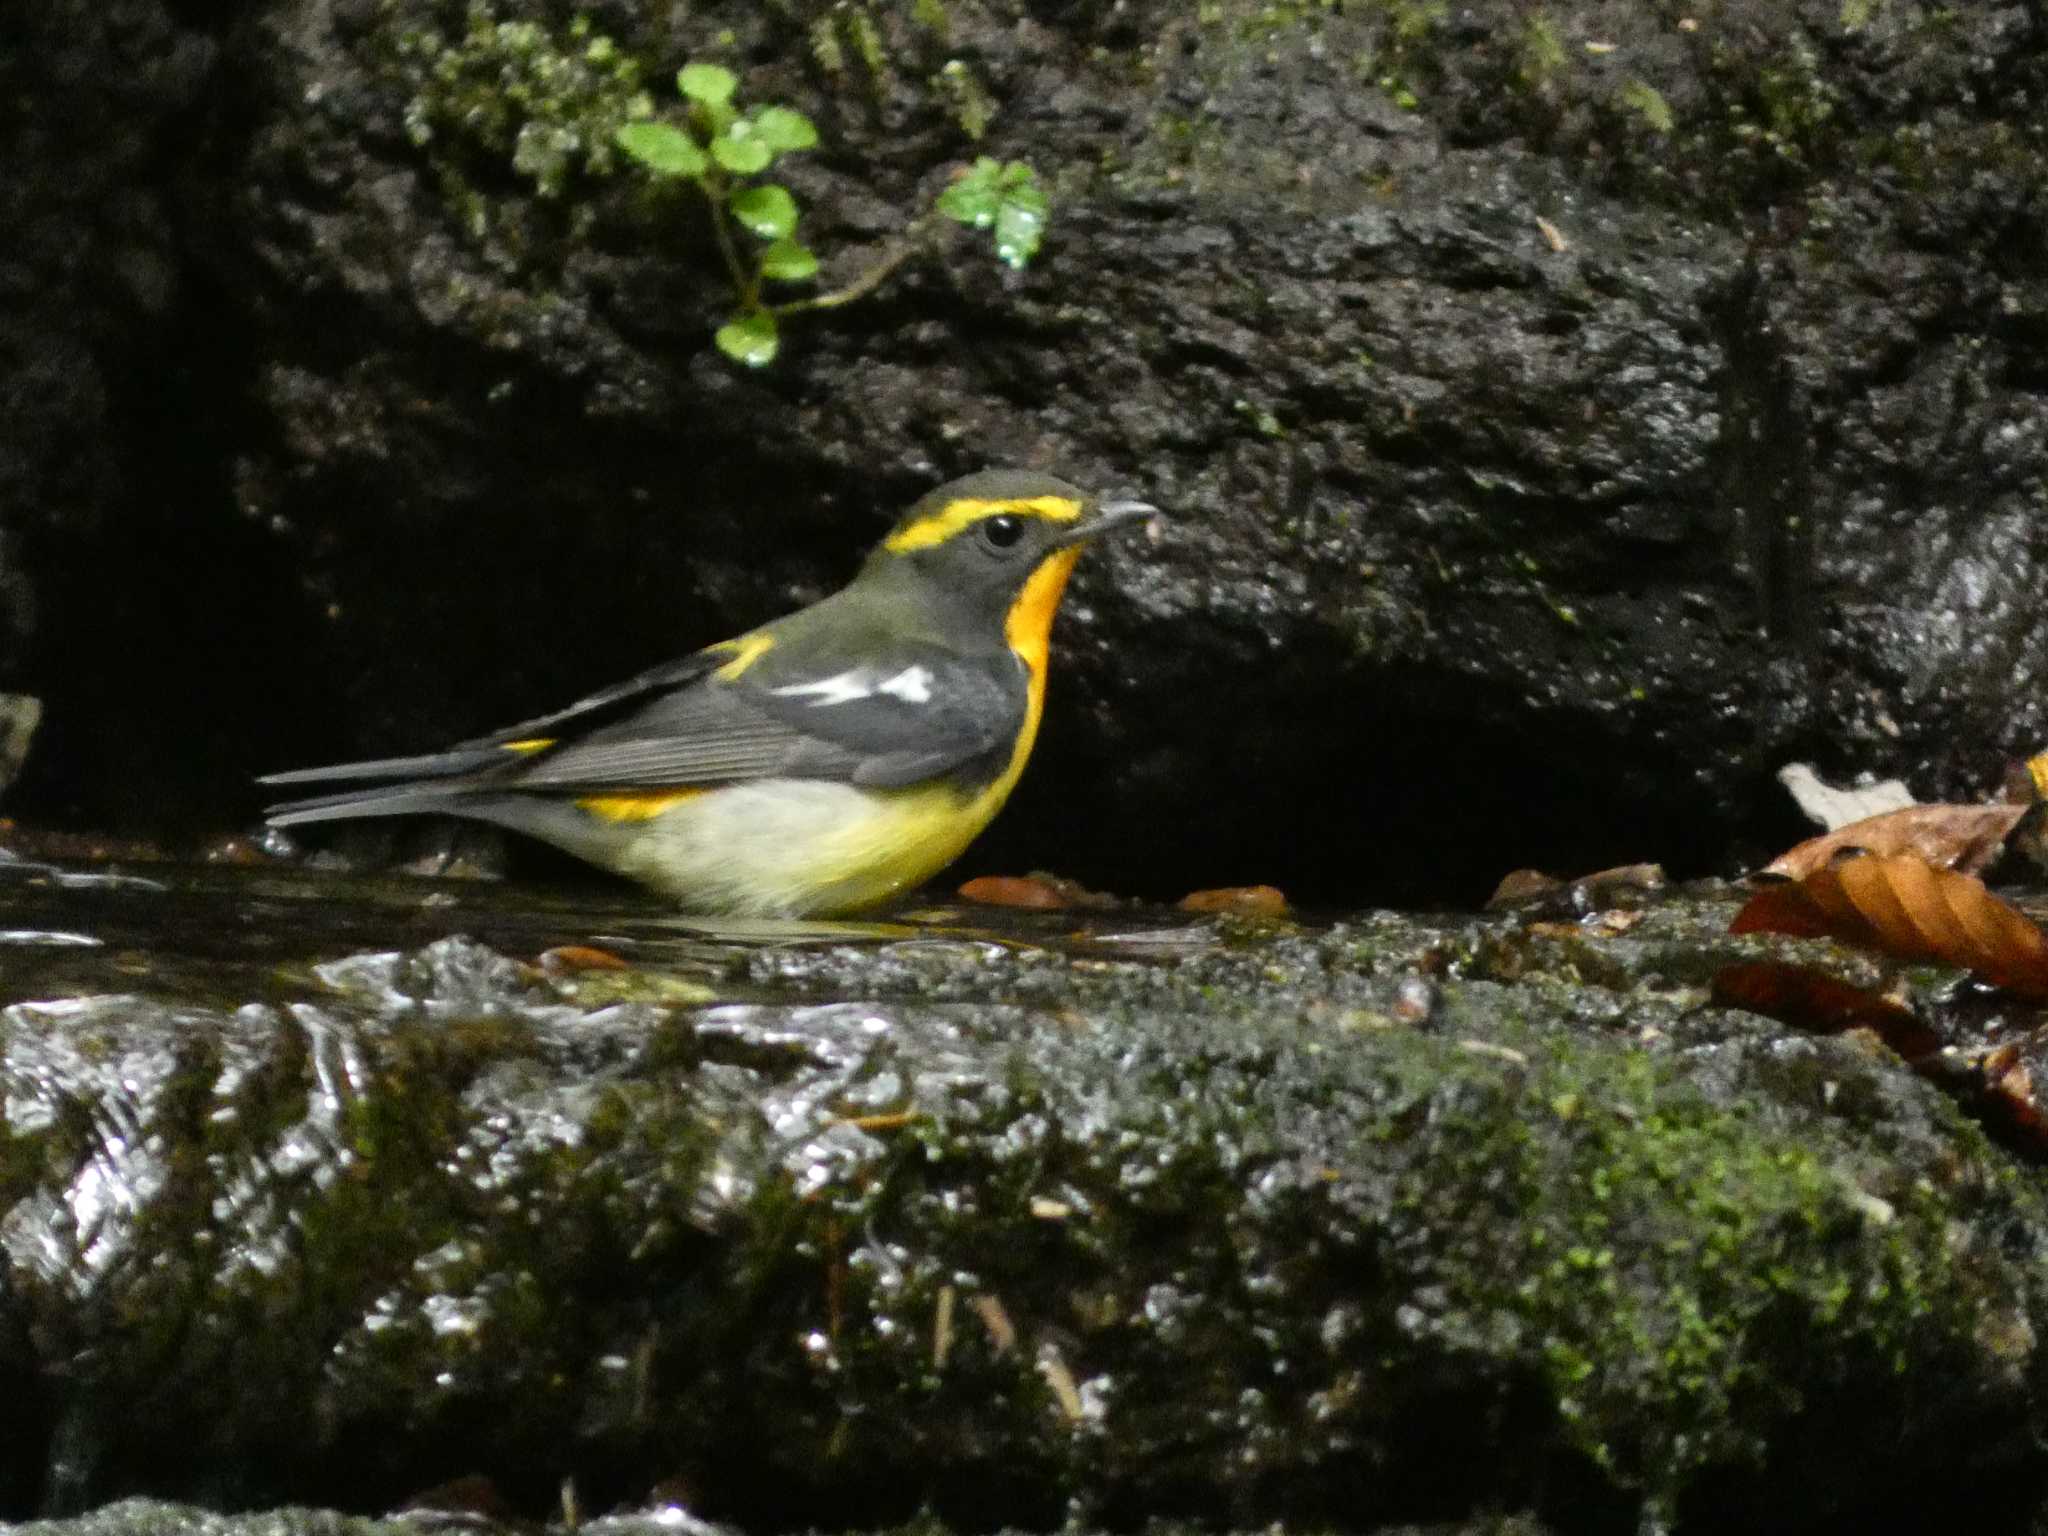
1026	1224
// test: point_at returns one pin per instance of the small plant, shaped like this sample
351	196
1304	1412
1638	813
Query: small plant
1005	198
723	149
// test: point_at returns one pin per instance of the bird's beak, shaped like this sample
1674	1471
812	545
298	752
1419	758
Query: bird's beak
1105	516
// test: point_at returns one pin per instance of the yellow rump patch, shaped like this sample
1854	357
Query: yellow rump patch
642	805
969	510
525	748
747	650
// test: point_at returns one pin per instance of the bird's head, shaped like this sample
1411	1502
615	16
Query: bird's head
995	549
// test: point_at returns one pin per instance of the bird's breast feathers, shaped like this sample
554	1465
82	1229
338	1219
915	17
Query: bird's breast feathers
780	846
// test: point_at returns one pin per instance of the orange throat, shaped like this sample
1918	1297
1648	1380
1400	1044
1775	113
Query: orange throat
1028	629
1029	625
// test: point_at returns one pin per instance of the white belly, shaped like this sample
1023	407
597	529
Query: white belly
780	847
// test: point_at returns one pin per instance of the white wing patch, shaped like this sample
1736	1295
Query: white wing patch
841	688
913	685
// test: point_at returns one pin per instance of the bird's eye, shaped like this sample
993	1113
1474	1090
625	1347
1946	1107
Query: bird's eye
1003	531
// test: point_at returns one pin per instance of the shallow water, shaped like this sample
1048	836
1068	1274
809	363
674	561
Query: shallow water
222	935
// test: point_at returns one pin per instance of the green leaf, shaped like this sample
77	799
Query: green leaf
973	198
712	84
784	130
788	261
750	338
714	117
663	148
1020	219
1006	196
769	211
740	152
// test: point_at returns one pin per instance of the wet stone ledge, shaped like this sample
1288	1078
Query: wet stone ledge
324	1192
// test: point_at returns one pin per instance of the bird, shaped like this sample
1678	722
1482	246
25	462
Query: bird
823	764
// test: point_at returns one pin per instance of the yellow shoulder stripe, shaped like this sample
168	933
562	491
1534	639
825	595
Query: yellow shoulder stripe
524	748
642	805
969	510
747	650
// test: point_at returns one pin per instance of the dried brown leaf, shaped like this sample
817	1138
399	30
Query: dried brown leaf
1015	891
564	959
1519	886
1903	907
1811	999
1964	837
1242	900
2010	1092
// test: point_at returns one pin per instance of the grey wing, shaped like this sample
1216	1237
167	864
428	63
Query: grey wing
484	756
919	715
609	703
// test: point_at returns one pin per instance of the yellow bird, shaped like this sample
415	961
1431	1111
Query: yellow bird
824	763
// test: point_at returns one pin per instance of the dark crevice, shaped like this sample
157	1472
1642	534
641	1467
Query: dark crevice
1764	462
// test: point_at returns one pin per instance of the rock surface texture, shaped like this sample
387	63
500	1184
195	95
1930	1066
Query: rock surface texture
1061	1225
1568	413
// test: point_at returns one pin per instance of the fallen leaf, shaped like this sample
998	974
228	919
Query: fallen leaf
1836	805
1527	887
1594	925
565	958
1624	877
1964	837
1904	907
1243	900
1015	891
1522	885
2008	1083
1810	999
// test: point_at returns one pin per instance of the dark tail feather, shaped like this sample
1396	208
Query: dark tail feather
399	800
434	765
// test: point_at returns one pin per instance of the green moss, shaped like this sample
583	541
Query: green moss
1780	110
824	38
973	107
1390	45
864	37
934	18
1543	56
1648	103
1665	1256
1260	418
548	102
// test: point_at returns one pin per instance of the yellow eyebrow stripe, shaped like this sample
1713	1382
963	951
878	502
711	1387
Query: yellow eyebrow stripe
535	744
969	510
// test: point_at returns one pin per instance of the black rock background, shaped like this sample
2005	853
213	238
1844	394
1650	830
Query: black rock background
1569	413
